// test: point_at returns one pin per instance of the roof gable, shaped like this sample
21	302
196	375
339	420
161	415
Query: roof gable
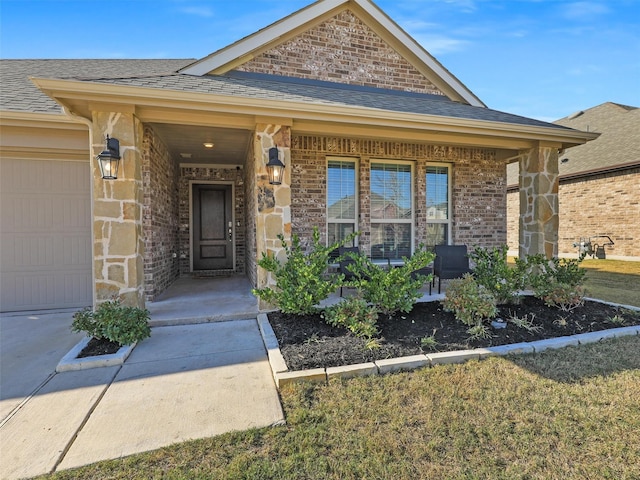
344	41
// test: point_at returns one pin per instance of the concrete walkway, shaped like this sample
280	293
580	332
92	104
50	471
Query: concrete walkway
184	382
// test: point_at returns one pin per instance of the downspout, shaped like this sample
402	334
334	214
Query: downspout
89	125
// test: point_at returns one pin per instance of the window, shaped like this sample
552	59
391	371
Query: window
438	204
342	200
391	210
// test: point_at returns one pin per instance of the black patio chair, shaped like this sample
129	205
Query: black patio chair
451	262
425	271
346	261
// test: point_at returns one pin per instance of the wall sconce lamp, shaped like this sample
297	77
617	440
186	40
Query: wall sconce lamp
109	159
275	168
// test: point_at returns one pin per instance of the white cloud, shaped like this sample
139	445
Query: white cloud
439	44
583	10
198	11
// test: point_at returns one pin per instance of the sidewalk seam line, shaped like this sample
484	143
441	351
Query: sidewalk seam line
84	422
17	408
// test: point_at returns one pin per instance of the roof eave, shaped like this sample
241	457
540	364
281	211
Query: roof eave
71	93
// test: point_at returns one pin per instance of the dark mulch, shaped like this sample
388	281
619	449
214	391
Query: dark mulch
97	347
308	342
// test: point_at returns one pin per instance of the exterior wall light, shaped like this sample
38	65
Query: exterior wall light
109	159
275	168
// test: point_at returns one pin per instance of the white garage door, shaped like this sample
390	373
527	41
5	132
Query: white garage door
45	235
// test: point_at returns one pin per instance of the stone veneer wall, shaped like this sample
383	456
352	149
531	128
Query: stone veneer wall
159	215
251	210
603	204
206	174
344	50
479	198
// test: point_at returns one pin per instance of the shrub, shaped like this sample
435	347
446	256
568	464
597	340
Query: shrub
492	271
470	302
354	314
113	321
558	282
391	290
301	281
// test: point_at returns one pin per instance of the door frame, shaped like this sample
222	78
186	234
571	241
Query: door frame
233	217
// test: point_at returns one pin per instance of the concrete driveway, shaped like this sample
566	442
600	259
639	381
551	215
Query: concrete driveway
184	382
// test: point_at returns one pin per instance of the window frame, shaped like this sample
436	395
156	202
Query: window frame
449	220
412	197
355	221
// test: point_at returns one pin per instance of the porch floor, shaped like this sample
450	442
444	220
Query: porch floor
200	300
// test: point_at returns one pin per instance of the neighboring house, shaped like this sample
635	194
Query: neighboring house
355	107
599	191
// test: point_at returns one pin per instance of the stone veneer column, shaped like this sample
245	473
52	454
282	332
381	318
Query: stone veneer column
118	242
539	217
273	206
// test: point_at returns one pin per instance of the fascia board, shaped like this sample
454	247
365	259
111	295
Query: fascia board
261	38
63	90
39	120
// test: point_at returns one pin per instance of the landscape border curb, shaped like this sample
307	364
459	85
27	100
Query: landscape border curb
282	376
70	362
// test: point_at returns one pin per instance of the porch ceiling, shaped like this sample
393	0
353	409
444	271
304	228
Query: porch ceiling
231	145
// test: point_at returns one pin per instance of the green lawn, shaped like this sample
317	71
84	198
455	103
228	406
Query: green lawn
613	280
571	414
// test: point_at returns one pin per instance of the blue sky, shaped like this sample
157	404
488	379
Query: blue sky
539	58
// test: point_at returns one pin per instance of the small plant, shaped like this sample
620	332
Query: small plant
354	314
429	342
558	282
493	272
391	290
470	302
301	282
560	321
478	332
525	322
113	321
617	319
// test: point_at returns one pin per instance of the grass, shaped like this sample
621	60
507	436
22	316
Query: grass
613	280
570	413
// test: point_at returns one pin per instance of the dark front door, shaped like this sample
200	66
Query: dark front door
212	227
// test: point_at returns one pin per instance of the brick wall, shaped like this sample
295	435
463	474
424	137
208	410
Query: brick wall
159	216
605	204
205	174
479	203
343	50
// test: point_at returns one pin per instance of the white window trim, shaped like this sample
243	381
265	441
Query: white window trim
448	220
355	221
412	220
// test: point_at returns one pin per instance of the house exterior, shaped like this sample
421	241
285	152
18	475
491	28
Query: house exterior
359	112
599	185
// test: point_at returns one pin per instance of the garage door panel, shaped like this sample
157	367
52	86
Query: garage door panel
45	235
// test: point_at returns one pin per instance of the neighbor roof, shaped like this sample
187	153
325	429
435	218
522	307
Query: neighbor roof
617	147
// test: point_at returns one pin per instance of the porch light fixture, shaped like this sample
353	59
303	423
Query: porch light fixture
109	159
275	168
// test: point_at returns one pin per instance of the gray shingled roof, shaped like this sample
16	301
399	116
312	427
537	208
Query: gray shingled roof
618	144
18	93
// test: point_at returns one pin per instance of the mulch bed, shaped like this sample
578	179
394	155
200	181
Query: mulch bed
306	341
97	347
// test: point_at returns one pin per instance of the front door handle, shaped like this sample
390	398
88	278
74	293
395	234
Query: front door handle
230	231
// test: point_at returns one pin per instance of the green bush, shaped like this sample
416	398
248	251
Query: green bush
113	321
390	290
557	281
470	302
301	281
493	272
354	314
